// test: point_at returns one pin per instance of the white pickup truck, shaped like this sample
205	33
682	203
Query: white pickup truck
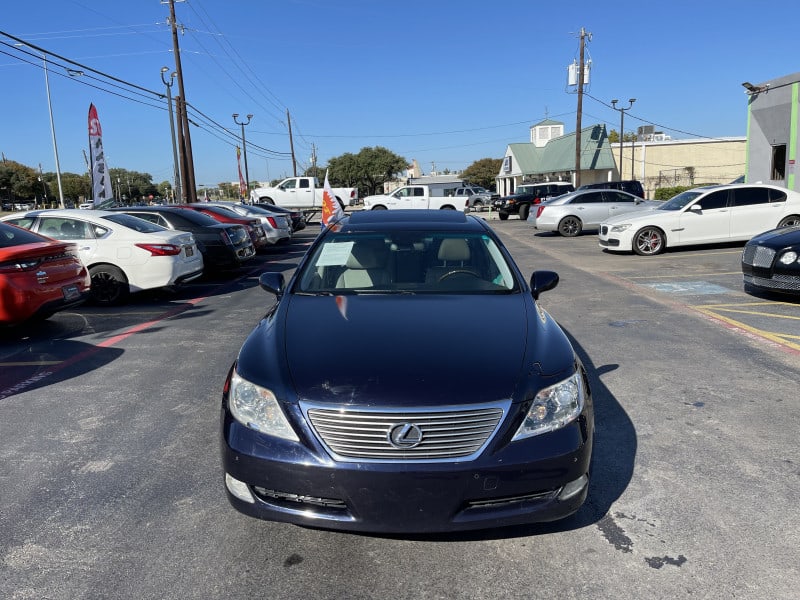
302	193
416	196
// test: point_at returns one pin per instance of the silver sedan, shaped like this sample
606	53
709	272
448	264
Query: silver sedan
570	214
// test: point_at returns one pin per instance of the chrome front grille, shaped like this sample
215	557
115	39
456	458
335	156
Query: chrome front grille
758	256
451	433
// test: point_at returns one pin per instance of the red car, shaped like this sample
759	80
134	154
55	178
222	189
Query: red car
39	276
224	215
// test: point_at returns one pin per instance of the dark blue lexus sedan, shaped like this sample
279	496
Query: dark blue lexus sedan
407	381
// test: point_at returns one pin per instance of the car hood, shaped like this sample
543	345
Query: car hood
783	236
398	350
635	216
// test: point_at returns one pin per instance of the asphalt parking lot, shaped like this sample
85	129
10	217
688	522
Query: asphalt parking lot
704	279
111	481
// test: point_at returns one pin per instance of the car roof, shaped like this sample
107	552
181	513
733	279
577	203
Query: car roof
399	220
77	213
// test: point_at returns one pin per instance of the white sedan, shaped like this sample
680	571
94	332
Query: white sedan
122	253
706	215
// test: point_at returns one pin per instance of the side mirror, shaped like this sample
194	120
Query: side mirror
542	281
696	208
272	282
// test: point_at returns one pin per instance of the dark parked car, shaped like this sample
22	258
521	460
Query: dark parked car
355	403
297	218
527	195
631	186
225	215
223	245
771	261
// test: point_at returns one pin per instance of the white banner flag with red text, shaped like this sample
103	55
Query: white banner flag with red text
331	209
101	179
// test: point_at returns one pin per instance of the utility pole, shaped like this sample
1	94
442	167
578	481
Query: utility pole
291	143
581	68
314	160
187	162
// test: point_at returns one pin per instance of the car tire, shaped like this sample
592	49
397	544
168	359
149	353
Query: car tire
789	221
503	216
570	226
523	212
649	241
379	207
109	285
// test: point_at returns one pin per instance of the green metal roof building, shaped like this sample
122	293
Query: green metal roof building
555	161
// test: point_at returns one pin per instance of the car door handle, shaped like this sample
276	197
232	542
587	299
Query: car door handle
85	248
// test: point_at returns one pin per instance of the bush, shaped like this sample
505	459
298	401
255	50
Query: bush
666	193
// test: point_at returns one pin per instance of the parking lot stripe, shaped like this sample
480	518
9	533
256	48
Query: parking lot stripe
779	339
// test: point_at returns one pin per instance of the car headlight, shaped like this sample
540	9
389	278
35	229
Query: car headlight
553	407
256	407
620	228
788	258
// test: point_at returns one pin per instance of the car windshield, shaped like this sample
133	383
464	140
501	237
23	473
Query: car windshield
134	223
679	201
16	236
406	262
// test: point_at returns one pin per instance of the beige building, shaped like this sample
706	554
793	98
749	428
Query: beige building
668	163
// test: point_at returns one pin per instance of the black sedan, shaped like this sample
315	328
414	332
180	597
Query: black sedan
297	218
223	245
771	261
356	404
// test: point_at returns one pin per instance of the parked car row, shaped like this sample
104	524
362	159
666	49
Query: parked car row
123	250
765	216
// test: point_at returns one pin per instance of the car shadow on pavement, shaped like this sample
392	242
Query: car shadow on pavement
61	361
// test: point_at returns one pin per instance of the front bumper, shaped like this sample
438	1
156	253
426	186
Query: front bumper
542	478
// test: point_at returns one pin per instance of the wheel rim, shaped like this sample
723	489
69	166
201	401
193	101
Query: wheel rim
649	241
790	222
105	287
569	227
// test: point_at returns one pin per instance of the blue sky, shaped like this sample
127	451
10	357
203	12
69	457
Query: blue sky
444	82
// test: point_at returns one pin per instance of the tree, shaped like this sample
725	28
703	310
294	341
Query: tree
368	170
483	172
613	137
317	172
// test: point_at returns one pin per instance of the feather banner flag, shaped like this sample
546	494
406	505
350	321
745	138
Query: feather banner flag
101	179
331	210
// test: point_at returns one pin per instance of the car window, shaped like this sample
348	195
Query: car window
134	223
745	196
618	197
152	217
718	199
25	222
407	262
62	228
15	236
776	195
588	198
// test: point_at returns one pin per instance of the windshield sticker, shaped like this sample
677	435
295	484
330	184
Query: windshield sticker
334	255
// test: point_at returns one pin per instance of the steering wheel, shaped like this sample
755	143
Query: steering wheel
456	272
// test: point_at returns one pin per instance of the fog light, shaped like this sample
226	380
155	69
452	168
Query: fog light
239	489
573	488
788	258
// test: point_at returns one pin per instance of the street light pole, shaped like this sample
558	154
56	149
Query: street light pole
175	168
53	133
244	148
622	129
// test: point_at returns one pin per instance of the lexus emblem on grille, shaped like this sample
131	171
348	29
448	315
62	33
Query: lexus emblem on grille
405	436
